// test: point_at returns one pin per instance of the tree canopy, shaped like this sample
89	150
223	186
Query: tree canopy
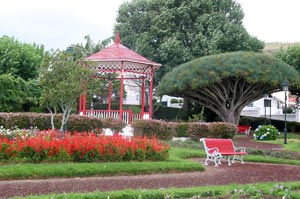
20	59
80	51
226	83
290	56
62	81
172	32
13	93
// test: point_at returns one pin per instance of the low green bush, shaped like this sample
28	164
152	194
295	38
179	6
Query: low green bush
198	130
266	132
194	130
161	129
181	129
222	129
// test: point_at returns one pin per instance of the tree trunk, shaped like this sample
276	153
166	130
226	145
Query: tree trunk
231	116
52	117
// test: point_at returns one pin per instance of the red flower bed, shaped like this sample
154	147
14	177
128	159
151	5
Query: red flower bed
81	147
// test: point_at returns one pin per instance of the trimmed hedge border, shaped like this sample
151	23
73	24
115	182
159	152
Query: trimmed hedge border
43	122
194	130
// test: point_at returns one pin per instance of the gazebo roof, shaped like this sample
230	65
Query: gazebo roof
118	52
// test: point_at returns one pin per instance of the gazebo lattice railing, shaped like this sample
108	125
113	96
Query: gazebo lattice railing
129	66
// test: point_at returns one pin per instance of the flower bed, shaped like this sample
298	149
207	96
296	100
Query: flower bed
266	132
80	147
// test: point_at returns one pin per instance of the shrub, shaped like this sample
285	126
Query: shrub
222	129
159	128
42	122
266	132
116	125
198	130
181	129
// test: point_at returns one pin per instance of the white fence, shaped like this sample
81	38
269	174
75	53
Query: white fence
294	117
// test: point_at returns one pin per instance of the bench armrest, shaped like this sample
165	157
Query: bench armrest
213	150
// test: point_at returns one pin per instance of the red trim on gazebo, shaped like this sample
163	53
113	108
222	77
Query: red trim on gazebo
121	60
118	52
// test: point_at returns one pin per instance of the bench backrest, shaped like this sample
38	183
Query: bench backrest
224	145
243	129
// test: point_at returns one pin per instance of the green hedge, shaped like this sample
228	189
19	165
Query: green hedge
254	122
222	129
160	128
194	130
43	122
198	130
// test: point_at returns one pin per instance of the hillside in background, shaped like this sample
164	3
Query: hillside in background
270	48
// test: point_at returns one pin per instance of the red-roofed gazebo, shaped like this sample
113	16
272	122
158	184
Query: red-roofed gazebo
129	66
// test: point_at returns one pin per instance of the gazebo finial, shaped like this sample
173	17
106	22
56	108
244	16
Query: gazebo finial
117	38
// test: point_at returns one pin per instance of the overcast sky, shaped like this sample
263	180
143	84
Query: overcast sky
59	23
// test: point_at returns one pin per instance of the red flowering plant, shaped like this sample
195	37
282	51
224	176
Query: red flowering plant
82	147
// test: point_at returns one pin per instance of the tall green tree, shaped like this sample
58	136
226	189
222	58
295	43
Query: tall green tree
62	81
291	55
13	93
80	51
226	83
173	32
20	59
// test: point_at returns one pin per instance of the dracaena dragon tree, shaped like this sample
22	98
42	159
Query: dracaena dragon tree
226	83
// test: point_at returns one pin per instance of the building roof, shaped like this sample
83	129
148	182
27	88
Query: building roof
118	52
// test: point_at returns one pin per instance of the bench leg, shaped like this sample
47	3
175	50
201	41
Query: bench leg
210	158
242	159
205	163
229	164
233	159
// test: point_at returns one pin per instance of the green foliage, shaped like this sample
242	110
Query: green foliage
194	130
291	55
20	59
51	170
173	32
204	71
159	128
222	129
42	122
199	117
114	124
62	81
167	113
266	132
13	93
79	51
181	129
225	83
18	95
277	154
198	130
